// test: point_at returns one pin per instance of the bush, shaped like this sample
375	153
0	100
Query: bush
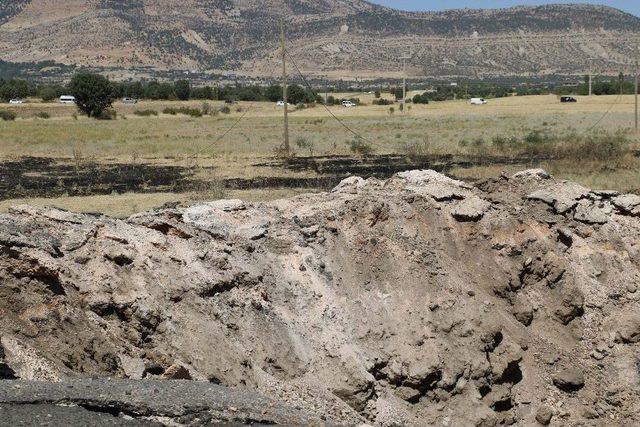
7	115
145	113
416	148
182	89
225	110
43	115
359	146
108	114
421	99
382	101
193	112
392	110
305	144
205	109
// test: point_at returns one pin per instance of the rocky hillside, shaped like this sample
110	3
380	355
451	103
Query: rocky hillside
418	300
333	37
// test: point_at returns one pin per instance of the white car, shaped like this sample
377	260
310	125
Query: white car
16	101
129	101
348	104
281	104
478	101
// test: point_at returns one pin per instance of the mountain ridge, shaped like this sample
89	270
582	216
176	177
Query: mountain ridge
327	37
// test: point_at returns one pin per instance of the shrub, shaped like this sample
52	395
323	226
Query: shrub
108	114
392	110
182	89
359	146
225	110
206	108
382	101
145	113
193	112
305	144
43	115
7	115
416	148
421	99
377	94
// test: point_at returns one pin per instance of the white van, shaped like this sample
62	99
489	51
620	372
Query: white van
478	101
67	99
348	104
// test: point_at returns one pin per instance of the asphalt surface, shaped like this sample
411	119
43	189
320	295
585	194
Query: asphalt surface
100	402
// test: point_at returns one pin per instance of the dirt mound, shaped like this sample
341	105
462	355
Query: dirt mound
417	300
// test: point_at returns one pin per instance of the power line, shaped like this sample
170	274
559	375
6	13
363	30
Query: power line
356	134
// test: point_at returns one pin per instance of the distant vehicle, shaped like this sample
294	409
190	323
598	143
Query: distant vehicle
67	99
478	101
129	101
16	101
281	104
348	104
230	101
568	99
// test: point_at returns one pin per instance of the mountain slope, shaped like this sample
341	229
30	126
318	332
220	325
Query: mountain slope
335	37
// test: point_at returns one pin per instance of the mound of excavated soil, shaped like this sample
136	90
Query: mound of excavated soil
418	300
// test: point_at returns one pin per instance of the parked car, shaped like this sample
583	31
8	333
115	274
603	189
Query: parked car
568	99
230	101
281	104
67	99
348	104
16	101
129	101
478	101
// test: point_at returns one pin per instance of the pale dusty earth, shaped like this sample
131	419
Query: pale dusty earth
419	300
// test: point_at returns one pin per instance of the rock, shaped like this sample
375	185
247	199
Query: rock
563	197
571	306
470	209
569	380
350	185
531	174
133	367
627	203
628	329
544	415
589	213
177	372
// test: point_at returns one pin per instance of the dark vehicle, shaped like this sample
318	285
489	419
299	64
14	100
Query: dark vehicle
568	99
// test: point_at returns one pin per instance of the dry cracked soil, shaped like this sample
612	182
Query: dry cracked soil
417	300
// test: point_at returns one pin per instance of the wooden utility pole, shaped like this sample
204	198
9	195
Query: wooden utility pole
636	93
590	77
404	79
285	89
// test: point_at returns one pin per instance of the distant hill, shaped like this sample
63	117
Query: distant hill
327	37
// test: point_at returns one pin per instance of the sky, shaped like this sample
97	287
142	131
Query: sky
632	6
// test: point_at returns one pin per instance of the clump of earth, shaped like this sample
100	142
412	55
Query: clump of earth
419	300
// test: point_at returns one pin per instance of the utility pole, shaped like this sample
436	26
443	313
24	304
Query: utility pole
590	77
636	93
284	89
404	79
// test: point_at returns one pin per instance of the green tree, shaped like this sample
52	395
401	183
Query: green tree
182	90
48	93
93	93
273	93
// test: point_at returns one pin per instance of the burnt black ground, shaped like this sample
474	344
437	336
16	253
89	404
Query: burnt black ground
49	177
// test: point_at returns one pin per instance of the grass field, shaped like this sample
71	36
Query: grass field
451	127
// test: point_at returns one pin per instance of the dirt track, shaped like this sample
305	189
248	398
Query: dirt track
414	301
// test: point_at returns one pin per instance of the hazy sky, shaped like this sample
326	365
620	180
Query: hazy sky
632	6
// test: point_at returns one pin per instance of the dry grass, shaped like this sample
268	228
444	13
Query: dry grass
180	140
